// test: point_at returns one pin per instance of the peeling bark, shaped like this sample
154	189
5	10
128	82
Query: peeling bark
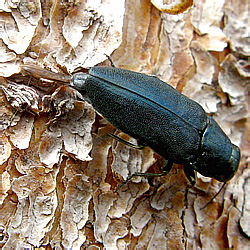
59	168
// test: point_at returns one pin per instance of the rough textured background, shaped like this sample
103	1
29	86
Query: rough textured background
58	167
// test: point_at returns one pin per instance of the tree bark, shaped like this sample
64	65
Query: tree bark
59	168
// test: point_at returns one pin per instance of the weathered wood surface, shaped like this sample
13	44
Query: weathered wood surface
58	179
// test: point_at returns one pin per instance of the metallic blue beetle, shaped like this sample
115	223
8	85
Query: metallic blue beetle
156	114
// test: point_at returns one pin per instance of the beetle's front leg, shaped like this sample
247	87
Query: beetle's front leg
166	169
190	174
111	61
126	142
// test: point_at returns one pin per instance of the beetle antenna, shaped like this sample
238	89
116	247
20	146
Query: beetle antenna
224	184
39	72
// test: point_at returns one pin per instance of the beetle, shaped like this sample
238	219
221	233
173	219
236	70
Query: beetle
158	116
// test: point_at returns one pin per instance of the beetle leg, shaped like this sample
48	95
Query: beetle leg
167	166
111	61
189	172
224	184
125	142
165	171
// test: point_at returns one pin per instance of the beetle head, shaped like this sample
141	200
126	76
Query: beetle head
219	158
78	82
